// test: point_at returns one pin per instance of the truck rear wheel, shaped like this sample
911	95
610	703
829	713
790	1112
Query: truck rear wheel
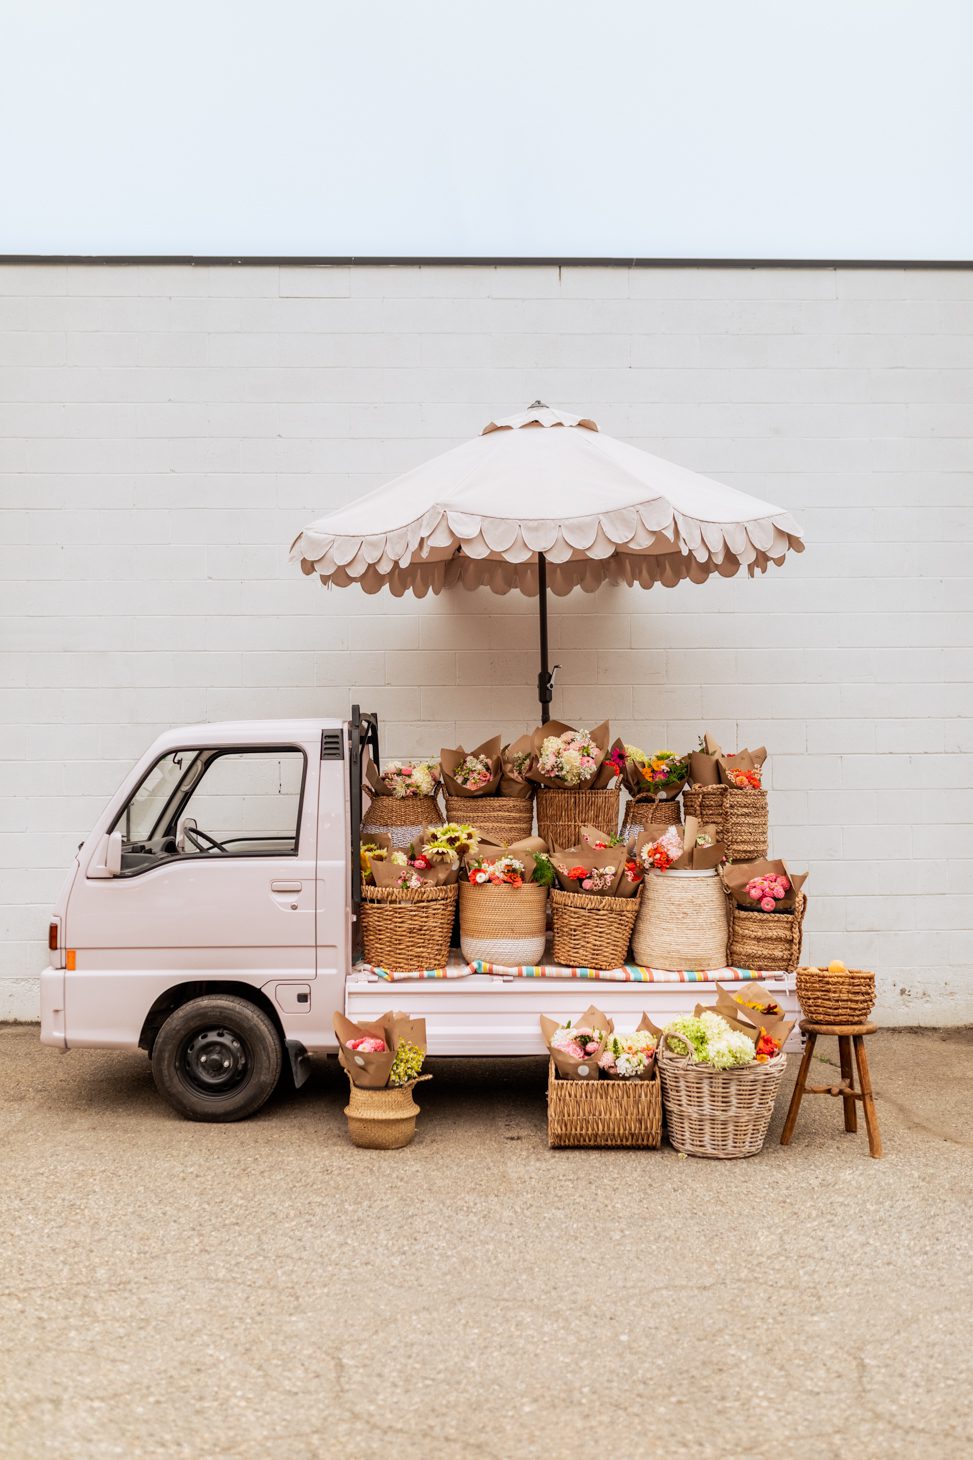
217	1058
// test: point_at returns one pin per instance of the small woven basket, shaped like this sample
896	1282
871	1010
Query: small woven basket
562	814
382	1120
505	925
643	811
740	817
722	1114
498	819
766	940
682	923
591	931
402	819
404	929
836	998
603	1112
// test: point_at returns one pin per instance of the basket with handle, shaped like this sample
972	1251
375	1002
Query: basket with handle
603	1112
498	819
844	997
682	921
384	1119
646	811
506	925
740	817
562	813
407	928
720	1114
403	819
769	940
591	931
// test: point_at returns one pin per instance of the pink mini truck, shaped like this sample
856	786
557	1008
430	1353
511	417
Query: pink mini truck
210	919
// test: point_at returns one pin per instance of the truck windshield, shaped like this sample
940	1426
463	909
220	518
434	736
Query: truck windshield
155	793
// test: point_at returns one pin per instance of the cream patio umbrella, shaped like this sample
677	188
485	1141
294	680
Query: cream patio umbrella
544	500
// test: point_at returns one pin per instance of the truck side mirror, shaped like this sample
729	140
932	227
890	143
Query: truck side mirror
113	854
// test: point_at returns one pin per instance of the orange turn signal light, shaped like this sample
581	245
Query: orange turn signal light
70	959
52	933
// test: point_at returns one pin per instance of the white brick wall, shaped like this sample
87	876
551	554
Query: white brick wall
138	406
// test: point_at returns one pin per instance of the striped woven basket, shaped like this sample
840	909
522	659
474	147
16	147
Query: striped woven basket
603	1112
562	814
405	929
592	931
768	940
682	922
403	819
498	819
505	925
722	1114
643	811
740	817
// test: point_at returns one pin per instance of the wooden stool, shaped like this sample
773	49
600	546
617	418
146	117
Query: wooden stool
847	1035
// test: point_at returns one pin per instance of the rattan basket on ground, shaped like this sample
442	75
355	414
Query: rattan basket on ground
722	1114
405	929
643	811
498	819
562	814
402	819
592	931
382	1120
836	998
682	922
740	818
505	925
603	1112
770	940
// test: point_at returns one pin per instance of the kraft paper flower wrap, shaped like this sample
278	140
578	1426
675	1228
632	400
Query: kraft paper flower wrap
483	768
604	868
701	848
524	850
749	765
738	875
704	764
425	781
654	777
368	1069
517	760
752	1021
600	776
570	1066
430	869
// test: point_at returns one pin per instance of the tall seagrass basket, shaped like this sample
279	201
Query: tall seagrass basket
561	814
722	1114
682	922
498	819
643	811
603	1112
402	819
591	931
740	818
505	925
407	928
768	940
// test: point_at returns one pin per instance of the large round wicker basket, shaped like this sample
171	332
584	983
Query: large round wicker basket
562	814
722	1114
766	940
405	929
498	819
402	819
505	925
740	818
643	811
836	998
682	923
591	931
382	1120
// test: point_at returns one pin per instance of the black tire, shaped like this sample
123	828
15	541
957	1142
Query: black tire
217	1058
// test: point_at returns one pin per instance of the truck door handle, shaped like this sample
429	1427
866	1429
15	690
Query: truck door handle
286	886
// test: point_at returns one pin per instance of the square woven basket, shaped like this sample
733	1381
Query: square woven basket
603	1112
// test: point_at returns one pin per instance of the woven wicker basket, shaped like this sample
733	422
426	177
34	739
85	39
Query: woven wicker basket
769	940
503	924
402	819
836	998
405	929
498	819
643	811
740	817
562	814
592	931
603	1112
682	922
382	1120
722	1114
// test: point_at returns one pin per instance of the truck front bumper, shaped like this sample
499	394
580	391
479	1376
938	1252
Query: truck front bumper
52	1008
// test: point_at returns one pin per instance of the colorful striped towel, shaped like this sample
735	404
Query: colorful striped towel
630	973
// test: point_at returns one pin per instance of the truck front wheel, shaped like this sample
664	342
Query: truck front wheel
216	1058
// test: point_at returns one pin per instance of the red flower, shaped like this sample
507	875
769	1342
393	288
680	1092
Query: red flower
576	874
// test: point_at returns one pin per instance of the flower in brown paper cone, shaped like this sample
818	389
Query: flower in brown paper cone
472	773
656	776
517	760
764	885
569	759
577	1046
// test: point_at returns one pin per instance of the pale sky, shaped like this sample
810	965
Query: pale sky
627	128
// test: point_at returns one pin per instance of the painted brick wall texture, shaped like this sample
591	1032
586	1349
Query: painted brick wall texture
165	431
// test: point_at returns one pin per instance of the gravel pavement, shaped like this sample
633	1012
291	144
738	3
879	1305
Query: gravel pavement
267	1290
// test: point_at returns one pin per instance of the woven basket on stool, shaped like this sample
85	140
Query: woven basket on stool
644	811
382	1120
770	940
403	819
836	998
505	925
740	818
562	814
407	928
603	1112
498	819
591	931
682	921
722	1114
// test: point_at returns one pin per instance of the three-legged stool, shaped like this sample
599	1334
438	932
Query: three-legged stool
849	1036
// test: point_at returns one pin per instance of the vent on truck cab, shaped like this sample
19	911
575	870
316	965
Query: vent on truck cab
332	745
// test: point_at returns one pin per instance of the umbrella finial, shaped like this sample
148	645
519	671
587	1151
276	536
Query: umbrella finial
538	405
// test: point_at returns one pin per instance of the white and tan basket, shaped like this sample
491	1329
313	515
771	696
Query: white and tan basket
505	925
682	922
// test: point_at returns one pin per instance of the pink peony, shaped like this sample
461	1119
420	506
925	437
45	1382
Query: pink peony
586	884
767	903
591	1046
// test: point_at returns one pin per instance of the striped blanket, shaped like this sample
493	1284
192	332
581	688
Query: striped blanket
629	973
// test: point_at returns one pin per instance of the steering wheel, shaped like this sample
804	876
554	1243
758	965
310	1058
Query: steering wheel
197	836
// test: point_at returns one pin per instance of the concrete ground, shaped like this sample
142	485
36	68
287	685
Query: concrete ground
265	1289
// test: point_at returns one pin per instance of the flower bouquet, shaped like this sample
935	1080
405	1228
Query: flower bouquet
517	760
682	921
403	799
503	904
407	915
728	789
754	1012
383	1061
574	770
617	1101
653	782
718	1096
766	914
594	906
577	1045
630	1056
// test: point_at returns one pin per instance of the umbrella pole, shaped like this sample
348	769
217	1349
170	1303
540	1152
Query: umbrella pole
545	679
